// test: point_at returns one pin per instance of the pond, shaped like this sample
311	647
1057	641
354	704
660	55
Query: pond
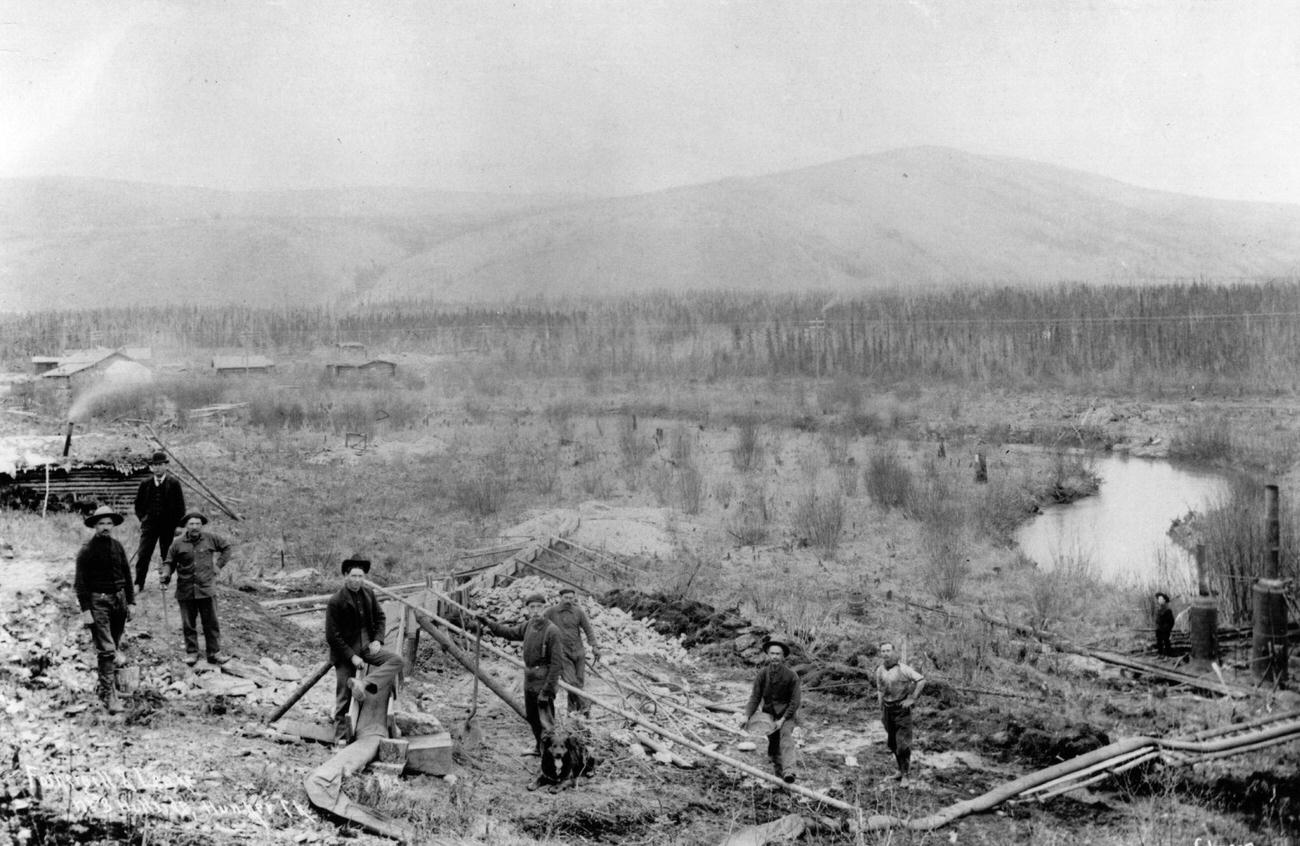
1122	530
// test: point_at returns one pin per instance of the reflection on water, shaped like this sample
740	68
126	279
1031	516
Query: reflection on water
1122	530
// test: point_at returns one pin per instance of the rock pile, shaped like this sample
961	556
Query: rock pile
617	632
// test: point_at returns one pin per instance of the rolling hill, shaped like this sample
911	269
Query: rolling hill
920	216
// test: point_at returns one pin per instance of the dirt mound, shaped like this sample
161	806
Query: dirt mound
694	622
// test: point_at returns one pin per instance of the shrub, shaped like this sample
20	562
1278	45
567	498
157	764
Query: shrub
634	449
819	517
944	546
1207	439
747	454
749	523
888	481
690	488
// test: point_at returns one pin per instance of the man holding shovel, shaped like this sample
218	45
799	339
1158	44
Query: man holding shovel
196	557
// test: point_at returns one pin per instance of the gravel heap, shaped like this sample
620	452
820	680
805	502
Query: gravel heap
617	632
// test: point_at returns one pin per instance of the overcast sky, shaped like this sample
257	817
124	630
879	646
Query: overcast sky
1194	96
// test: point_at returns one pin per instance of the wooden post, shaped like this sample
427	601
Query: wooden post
1268	653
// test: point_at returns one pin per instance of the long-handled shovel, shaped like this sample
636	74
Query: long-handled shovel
472	733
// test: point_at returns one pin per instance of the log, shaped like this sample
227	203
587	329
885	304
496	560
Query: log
426	622
301	691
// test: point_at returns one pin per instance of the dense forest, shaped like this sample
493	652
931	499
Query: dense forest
1242	336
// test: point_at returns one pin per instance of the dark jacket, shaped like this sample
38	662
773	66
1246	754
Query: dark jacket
572	621
778	690
196	564
160	504
102	568
542	653
352	621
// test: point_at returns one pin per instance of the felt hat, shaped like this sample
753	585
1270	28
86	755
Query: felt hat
159	457
534	597
100	513
356	562
567	589
199	514
776	640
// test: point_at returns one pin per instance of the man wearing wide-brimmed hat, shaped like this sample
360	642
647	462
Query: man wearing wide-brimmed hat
160	505
106	597
778	693
355	626
196	557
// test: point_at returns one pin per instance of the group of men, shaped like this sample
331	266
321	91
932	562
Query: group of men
552	650
355	626
777	694
106	589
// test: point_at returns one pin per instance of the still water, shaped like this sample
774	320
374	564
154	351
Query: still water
1122	529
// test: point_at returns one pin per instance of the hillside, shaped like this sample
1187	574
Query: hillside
921	216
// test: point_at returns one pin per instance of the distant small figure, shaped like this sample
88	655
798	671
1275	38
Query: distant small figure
1164	624
897	688
196	557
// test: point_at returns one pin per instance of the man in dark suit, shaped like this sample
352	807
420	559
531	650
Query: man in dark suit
354	629
160	505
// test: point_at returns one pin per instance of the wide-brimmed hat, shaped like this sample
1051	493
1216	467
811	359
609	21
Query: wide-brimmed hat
534	597
100	513
567	589
356	562
774	640
159	458
202	518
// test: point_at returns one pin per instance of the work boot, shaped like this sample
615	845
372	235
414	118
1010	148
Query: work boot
536	783
191	659
218	658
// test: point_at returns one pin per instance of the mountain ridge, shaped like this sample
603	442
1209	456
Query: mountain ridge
919	216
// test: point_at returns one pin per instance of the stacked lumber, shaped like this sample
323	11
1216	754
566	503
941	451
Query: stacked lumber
617	632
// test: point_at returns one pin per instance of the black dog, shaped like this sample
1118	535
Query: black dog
565	757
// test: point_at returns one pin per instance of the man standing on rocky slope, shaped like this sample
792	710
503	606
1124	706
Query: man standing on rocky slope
897	688
106	596
196	557
572	621
777	692
543	665
160	505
